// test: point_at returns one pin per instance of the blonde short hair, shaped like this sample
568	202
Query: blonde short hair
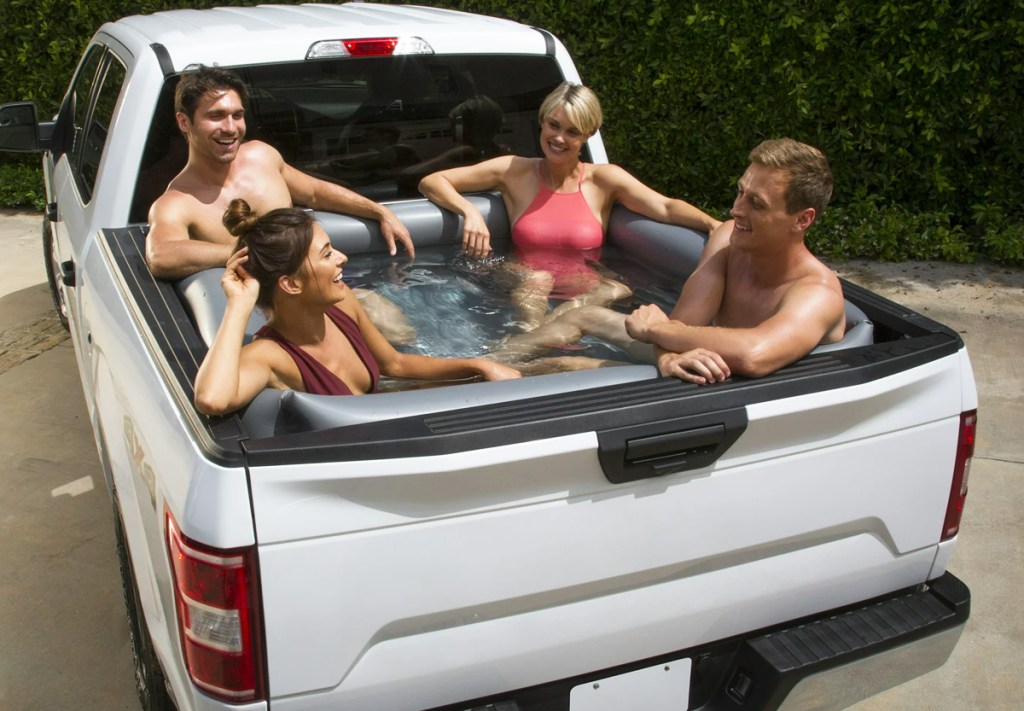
580	103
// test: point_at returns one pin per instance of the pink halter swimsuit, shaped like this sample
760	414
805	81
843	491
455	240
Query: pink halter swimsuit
558	233
558	221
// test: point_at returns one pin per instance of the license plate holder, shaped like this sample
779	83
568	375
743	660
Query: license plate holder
662	687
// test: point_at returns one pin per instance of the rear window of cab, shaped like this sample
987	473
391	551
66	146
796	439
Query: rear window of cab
376	125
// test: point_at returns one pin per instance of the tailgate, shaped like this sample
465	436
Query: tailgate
419	569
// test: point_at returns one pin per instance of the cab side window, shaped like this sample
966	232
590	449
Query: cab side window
92	100
76	103
94	137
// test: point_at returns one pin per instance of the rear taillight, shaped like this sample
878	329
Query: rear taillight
961	472
216	592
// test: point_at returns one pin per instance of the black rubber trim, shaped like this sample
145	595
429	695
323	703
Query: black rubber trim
163	57
776	661
809	645
549	41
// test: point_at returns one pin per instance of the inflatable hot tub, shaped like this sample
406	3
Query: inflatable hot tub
666	249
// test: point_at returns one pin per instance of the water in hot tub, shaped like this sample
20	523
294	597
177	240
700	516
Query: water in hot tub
458	312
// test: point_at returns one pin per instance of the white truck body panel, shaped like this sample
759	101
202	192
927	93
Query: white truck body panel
490	540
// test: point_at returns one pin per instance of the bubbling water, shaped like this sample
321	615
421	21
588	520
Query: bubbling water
459	311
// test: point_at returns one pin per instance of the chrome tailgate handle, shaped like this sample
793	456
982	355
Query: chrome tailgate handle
668	447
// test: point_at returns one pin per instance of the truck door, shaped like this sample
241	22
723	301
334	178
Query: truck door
81	137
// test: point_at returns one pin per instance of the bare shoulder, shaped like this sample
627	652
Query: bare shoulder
607	173
722	235
618	184
176	196
172	209
264	353
258	148
515	175
821	273
186	191
509	165
611	178
265	350
253	155
818	288
493	171
718	243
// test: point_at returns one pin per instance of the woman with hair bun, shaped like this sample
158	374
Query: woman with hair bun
318	338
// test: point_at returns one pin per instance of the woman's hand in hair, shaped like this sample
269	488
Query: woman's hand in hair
237	283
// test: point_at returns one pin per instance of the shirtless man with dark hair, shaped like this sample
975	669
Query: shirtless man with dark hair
186	233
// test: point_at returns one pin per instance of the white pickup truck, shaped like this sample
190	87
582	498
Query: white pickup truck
606	539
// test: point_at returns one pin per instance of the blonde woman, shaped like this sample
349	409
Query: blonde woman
558	208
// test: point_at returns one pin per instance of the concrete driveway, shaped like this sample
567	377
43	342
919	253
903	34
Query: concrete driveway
63	635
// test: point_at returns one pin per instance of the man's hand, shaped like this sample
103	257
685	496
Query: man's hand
393	231
640	322
699	366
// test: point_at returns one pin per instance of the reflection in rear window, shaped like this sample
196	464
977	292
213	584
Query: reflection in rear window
375	125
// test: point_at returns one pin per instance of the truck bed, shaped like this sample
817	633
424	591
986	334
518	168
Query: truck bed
290	426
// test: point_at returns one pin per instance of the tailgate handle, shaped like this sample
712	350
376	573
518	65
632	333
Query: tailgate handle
675	447
669	446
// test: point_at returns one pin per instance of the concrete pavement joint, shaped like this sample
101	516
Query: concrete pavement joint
1001	460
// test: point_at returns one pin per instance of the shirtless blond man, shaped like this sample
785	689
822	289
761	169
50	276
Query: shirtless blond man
758	299
186	232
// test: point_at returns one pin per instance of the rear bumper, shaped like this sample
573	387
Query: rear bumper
829	661
835	660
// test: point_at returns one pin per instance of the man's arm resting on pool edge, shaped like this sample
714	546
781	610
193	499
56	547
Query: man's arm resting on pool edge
803	318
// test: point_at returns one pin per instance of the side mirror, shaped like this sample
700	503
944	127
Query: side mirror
19	128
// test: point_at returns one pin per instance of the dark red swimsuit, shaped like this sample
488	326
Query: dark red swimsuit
316	378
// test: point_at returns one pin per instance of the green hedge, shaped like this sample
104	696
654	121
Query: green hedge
41	41
919	104
21	186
